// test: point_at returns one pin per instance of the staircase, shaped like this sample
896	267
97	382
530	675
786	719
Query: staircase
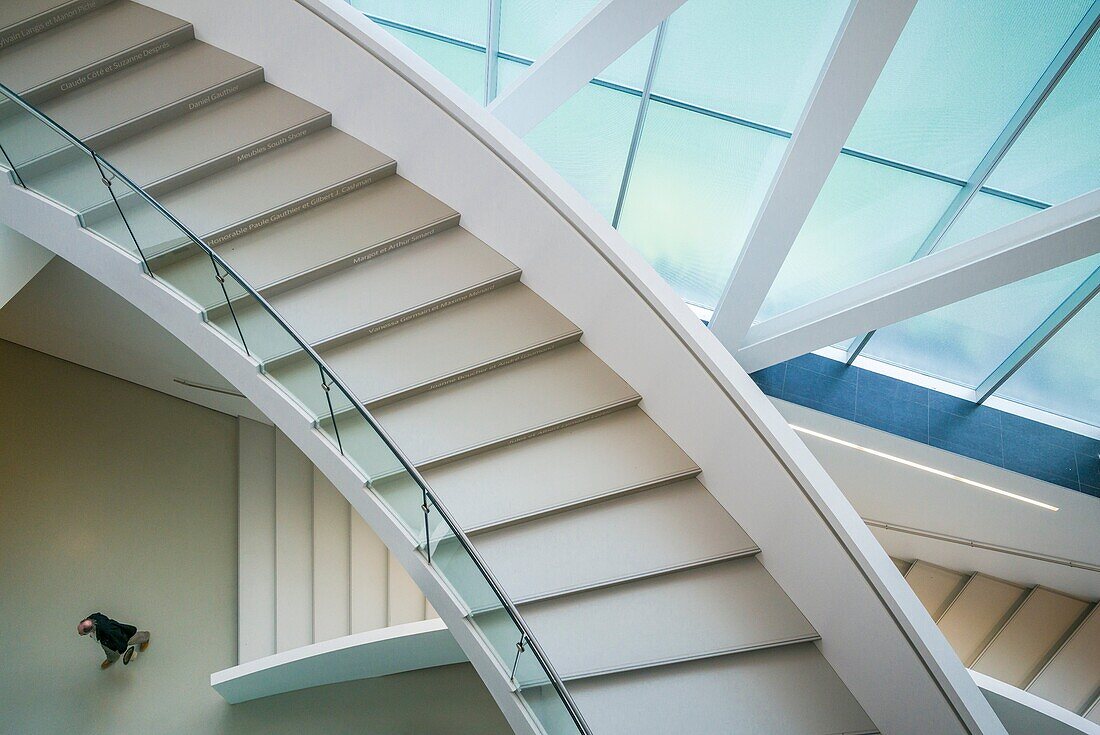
1036	639
649	599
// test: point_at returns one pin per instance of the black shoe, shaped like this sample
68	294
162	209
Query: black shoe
128	655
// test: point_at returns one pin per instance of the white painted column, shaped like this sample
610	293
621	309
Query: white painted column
331	561
293	546
369	572
255	540
406	602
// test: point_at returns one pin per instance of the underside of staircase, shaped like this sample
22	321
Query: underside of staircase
649	599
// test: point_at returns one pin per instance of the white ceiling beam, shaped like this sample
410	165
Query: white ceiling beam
601	37
1034	244
863	44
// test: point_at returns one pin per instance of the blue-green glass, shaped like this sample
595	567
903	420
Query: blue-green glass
868	219
630	69
587	139
1057	156
1062	376
465	67
464	19
957	75
508	72
528	28
695	188
748	59
984	213
964	342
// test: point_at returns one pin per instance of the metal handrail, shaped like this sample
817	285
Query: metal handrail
427	492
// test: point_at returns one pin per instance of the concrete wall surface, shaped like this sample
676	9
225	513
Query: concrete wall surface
119	499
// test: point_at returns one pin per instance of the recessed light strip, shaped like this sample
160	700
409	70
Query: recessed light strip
925	468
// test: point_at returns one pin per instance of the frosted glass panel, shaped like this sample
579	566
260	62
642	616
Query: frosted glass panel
983	213
966	341
464	19
696	185
464	67
1063	376
746	58
528	28
629	70
957	75
869	218
1057	157
508	72
586	140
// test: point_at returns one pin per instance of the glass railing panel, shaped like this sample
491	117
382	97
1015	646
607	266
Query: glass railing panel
66	171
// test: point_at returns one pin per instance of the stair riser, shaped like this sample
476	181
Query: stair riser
574	676
473	372
42	22
188	176
481	369
360	257
289	209
423	310
259	221
103	138
553	510
436	462
105	67
351	335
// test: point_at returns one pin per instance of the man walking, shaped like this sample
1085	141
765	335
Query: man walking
117	639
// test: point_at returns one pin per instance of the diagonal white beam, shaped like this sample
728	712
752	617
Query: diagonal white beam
1045	240
867	36
601	37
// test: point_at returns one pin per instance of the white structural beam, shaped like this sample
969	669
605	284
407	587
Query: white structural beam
1045	240
20	260
601	37
867	36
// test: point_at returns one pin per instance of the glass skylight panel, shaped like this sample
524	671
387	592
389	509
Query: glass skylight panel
587	139
1057	156
956	77
1063	376
467	20
869	218
983	213
529	28
695	188
964	342
463	66
748	59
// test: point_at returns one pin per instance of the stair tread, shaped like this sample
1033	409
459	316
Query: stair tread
1072	678
40	14
648	532
729	606
351	224
621	450
71	47
934	586
461	337
125	96
443	264
1027	640
504	403
977	613
187	141
254	187
791	690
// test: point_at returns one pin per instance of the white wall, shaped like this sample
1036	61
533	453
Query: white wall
886	491
117	498
310	568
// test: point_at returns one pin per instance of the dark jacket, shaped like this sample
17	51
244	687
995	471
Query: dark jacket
111	633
